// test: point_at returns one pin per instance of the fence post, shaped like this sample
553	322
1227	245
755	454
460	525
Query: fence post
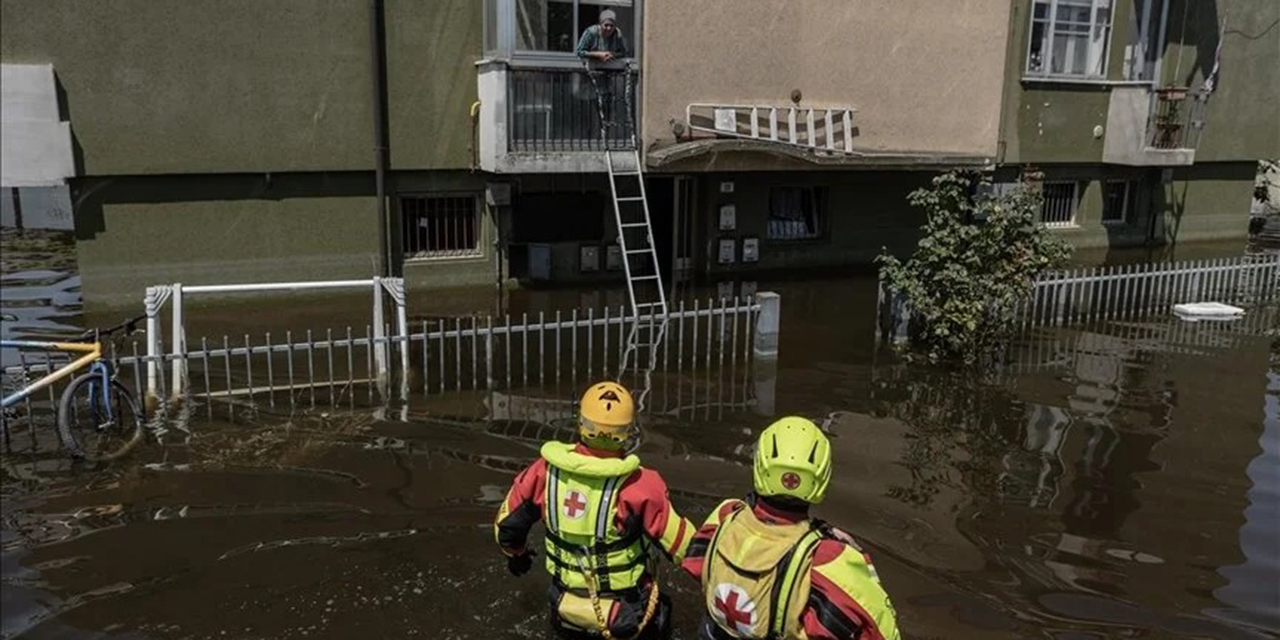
178	344
765	350
379	345
395	287
153	302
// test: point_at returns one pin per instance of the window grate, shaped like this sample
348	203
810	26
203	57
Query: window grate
1059	206
795	213
440	226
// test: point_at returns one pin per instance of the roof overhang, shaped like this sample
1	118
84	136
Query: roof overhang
707	154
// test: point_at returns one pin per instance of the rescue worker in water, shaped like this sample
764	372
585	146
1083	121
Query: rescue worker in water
768	570
603	513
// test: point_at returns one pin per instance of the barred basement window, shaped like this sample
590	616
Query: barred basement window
795	213
1059	206
1119	200
441	226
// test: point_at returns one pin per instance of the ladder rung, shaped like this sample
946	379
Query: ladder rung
637	278
635	224
626	173
631	251
649	304
630	199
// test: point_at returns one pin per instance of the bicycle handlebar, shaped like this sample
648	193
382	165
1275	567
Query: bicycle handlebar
128	326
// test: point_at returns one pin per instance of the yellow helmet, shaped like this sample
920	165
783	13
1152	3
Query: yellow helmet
606	413
793	458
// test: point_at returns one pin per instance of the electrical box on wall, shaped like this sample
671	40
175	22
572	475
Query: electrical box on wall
497	194
751	249
726	186
588	258
727	250
613	257
728	217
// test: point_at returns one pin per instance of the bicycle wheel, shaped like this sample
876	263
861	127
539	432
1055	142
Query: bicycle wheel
96	423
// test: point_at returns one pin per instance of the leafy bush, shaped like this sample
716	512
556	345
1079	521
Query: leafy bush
979	256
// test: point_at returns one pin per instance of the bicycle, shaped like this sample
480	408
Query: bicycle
95	405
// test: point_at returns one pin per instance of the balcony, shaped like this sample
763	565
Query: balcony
546	118
1154	127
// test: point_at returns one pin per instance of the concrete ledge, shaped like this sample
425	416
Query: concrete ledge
870	159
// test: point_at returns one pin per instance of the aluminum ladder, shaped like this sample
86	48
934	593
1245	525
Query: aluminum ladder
645	289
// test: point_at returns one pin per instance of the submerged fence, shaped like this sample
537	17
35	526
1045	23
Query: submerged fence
716	356
1122	292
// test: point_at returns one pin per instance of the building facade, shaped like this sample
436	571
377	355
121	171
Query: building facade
222	142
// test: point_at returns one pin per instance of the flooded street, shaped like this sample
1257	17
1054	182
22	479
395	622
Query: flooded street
1120	481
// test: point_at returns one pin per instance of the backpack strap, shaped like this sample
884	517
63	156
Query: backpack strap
784	585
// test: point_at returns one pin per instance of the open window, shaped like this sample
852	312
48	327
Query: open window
550	28
796	213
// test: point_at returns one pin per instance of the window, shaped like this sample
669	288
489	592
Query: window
441	226
551	25
1119	201
1069	38
1140	54
795	213
1059	206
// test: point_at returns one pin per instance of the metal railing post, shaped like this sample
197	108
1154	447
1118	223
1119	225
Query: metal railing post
379	345
395	287
765	350
153	302
178	344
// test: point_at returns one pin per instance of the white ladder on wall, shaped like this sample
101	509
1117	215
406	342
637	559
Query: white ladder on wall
645	289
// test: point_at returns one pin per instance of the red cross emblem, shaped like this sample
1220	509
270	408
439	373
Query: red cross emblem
791	480
734	609
575	505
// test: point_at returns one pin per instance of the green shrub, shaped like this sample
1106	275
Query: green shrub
979	256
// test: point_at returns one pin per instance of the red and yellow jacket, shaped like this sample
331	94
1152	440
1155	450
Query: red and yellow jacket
642	502
841	574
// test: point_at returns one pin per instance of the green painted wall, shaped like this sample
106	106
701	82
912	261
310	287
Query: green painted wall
1243	120
866	211
1052	122
206	86
432	48
1206	202
218	86
229	229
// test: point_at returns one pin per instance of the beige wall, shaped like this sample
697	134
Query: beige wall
922	78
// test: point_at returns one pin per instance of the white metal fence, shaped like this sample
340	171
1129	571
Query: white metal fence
518	367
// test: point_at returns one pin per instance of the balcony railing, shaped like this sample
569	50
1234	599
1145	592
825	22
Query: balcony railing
561	109
1176	118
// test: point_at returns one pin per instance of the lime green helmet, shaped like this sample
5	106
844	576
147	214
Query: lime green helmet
793	458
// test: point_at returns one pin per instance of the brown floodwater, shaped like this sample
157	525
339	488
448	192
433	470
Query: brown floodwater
1115	481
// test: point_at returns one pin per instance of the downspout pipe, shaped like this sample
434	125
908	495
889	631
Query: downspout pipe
377	59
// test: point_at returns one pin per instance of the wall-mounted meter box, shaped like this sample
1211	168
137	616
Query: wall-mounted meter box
728	217
728	247
613	257
588	258
726	186
751	249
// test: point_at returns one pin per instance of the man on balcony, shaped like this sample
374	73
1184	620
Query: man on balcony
604	41
600	46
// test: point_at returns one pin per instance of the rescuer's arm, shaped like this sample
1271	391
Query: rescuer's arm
845	597
644	496
697	551
521	509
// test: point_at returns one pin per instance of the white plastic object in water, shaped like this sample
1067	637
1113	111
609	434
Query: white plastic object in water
1196	311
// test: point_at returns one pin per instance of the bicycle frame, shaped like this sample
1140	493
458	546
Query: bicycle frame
92	353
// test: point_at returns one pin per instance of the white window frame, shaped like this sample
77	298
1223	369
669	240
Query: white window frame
1046	72
424	255
503	44
1075	205
1125	212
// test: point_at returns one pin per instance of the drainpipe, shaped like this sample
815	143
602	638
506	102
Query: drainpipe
378	67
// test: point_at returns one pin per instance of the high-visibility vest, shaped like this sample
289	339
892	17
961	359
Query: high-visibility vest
582	542
755	576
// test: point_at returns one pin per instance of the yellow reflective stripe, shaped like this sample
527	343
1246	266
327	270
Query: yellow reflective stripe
855	576
791	575
671	531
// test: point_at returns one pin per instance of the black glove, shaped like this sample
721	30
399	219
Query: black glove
519	565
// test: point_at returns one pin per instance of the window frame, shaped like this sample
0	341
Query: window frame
503	45
1050	28
1127	203
477	217
821	218
1072	223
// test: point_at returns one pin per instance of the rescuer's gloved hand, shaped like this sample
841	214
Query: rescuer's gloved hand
519	565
